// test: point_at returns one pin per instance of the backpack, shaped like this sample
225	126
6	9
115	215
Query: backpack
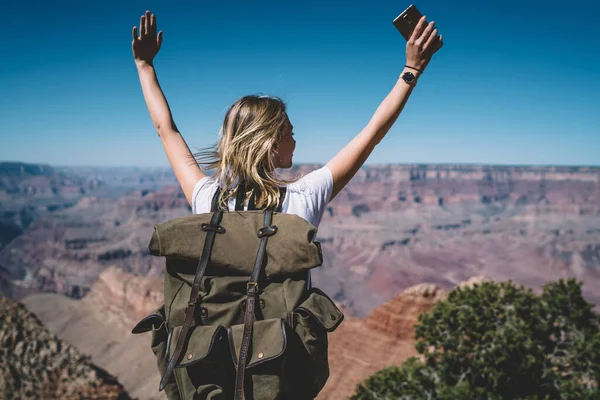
239	320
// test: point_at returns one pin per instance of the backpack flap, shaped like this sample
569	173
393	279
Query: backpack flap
319	306
154	321
269	341
201	342
234	252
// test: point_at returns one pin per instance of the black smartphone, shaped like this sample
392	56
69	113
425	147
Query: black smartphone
406	22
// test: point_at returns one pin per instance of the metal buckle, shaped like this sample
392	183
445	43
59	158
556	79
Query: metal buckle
255	284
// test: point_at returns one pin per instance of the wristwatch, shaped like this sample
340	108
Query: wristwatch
409	78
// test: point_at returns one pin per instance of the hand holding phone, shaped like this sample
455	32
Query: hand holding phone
422	38
407	21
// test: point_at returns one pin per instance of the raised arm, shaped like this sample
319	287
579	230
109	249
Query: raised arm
145	47
421	46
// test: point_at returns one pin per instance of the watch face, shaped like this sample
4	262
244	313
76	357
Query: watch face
408	77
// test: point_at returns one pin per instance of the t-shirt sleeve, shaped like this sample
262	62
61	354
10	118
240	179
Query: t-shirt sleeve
202	195
314	192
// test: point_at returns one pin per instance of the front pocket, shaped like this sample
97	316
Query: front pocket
269	341
203	370
268	375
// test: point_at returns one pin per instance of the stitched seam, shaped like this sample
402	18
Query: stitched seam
173	300
159	245
289	312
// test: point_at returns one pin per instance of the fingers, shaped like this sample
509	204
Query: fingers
427	33
142	26
134	33
147	25
418	29
432	37
153	25
159	39
147	22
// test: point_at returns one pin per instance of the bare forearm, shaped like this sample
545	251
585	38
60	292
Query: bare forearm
348	161
155	99
390	108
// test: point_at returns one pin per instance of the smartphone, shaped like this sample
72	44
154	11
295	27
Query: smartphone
406	22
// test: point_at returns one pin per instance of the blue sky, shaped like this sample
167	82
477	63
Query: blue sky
515	83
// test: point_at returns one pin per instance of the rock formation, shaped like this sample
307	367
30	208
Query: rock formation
122	298
360	347
34	364
392	227
100	324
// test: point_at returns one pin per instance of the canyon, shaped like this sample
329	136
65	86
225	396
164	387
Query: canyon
36	364
73	249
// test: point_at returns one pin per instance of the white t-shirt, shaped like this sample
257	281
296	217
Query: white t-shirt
307	198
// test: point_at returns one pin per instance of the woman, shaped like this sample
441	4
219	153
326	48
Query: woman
257	137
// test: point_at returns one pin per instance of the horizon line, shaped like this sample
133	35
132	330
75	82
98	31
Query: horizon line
379	164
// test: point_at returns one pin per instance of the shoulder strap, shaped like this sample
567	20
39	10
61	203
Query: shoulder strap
240	196
251	294
211	231
252	202
215	200
282	193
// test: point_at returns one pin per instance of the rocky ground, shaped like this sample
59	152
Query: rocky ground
35	364
100	326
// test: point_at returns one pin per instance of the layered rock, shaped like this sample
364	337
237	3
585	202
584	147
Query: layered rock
100	326
360	347
396	318
392	227
34	364
123	298
42	181
65	251
573	190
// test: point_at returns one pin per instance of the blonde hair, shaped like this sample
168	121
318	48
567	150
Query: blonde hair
245	150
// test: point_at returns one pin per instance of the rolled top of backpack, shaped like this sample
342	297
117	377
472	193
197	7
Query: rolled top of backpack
291	249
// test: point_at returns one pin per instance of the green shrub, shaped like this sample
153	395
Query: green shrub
499	341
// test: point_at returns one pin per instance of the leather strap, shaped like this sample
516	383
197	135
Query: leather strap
251	294
191	307
282	193
215	200
252	201
240	196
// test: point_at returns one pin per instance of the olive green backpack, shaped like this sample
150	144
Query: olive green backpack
239	320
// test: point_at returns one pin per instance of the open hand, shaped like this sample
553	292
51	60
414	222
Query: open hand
422	44
146	46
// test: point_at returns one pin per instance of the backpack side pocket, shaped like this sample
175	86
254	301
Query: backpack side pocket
313	319
161	335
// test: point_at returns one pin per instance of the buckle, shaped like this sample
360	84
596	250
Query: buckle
252	284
